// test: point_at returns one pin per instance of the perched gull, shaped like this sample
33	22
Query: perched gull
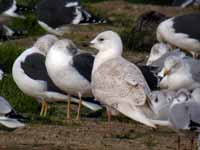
180	73
117	83
11	8
30	74
54	14
182	32
70	70
8	116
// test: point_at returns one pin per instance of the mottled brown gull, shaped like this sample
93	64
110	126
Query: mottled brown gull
117	83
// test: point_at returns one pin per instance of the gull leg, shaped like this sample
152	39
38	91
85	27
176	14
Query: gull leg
179	142
109	114
45	108
79	106
192	142
42	108
68	108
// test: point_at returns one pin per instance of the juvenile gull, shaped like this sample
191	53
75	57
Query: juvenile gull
180	73
117	83
70	70
30	75
182	32
54	14
8	116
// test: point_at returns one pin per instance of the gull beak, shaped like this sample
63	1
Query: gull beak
164	72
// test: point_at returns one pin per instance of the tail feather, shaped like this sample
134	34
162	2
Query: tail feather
88	18
11	123
91	105
134	114
21	9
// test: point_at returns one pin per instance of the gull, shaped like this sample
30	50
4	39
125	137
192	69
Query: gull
182	32
184	113
117	83
157	51
12	9
30	75
180	73
8	116
70	70
53	15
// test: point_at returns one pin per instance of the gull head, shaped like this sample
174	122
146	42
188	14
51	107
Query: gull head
157	51
45	42
107	40
172	64
66	46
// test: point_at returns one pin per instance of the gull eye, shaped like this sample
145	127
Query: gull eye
156	100
101	39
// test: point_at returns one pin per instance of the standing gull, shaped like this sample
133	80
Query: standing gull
117	83
8	116
30	74
182	32
70	70
54	14
180	73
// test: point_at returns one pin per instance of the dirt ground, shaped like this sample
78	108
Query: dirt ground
91	135
95	134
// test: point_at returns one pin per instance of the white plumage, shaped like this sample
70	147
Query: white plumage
117	83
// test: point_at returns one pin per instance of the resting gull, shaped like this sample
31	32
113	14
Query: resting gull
8	116
117	83
180	73
11	8
30	74
182	32
54	14
184	113
70	70
157	51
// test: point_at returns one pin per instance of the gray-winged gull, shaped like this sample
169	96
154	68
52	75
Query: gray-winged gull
8	116
54	14
182	32
157	51
117	83
30	74
184	113
70	70
180	73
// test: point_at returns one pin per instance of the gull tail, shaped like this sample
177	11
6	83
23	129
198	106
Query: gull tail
135	114
10	34
87	102
21	9
11	123
12	120
88	18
